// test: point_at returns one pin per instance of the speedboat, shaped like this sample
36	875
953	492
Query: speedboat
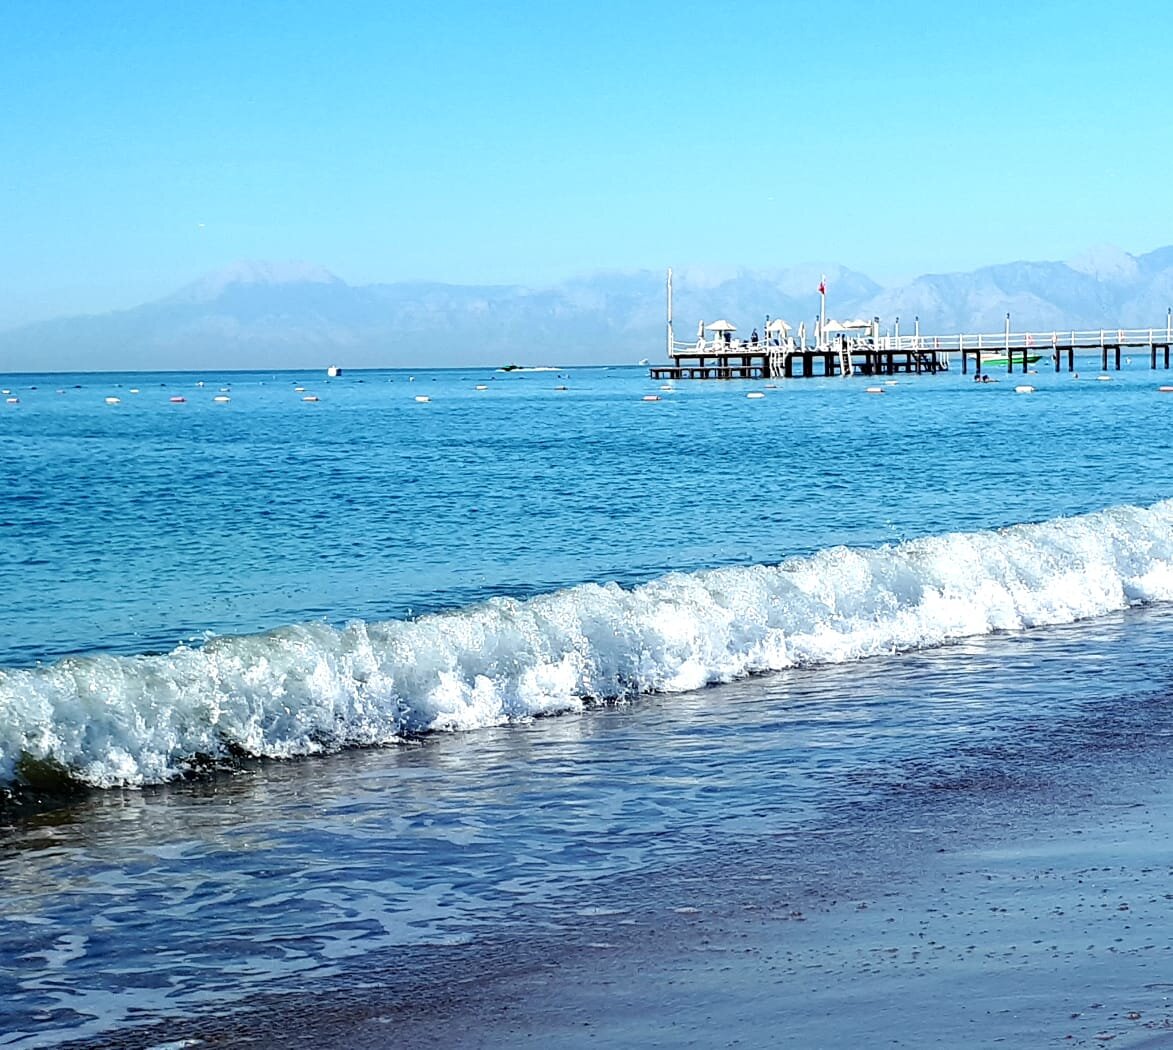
998	358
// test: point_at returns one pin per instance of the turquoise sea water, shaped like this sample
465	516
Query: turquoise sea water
199	594
129	528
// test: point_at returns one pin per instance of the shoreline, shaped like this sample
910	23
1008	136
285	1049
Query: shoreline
996	906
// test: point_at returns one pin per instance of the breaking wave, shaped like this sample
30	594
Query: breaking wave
307	688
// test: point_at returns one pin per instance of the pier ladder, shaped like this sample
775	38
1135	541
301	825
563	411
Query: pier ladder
846	368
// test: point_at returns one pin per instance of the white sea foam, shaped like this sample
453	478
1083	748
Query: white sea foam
311	687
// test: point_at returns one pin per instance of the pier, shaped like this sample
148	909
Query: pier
845	348
840	348
1009	348
862	355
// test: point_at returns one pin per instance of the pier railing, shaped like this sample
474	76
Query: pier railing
734	346
1093	339
1041	341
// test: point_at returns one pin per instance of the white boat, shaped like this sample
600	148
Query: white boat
334	371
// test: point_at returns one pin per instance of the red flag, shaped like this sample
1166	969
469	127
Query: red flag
822	288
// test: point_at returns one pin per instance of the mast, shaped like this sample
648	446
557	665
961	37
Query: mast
671	341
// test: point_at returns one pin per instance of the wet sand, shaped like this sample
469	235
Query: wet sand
1028	914
1060	932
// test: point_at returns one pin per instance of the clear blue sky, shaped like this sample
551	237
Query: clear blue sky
144	143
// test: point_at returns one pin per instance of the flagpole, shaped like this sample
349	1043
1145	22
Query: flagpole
822	308
671	341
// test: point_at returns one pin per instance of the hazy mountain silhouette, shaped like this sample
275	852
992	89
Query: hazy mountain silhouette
295	315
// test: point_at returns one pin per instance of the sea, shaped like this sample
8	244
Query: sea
387	683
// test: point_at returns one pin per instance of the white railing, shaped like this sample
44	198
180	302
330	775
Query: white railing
734	346
1038	342
710	347
1041	342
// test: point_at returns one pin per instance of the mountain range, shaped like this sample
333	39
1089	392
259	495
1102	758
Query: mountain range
295	315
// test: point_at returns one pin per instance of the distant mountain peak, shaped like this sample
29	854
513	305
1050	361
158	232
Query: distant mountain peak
253	272
1105	262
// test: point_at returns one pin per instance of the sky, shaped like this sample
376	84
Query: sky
143	144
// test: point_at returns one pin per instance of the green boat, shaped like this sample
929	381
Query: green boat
998	359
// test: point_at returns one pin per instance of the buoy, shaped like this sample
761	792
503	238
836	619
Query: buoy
114	401
651	397
310	397
482	386
178	400
421	398
222	398
134	389
755	394
1103	379
874	390
1024	388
